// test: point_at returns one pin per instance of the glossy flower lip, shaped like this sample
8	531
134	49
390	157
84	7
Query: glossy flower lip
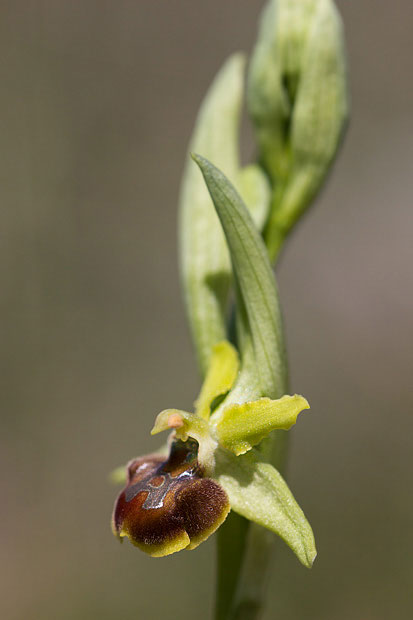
167	505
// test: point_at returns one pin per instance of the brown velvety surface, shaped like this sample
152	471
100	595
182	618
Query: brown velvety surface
163	499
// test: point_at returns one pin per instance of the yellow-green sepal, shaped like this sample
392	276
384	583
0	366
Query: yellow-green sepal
222	372
186	425
241	427
258	492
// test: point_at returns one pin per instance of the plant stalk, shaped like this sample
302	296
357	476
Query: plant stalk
244	556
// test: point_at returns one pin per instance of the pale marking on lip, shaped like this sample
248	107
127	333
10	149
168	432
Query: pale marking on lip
156	494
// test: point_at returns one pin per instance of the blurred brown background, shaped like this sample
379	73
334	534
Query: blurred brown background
97	102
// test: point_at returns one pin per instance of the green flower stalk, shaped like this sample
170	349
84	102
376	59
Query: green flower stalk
224	461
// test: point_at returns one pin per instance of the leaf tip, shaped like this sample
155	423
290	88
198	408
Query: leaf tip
308	552
198	159
310	559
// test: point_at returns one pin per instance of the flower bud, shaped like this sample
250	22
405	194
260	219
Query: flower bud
168	505
297	99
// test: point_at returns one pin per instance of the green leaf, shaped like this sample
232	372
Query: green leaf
259	493
204	260
255	283
241	427
222	372
205	264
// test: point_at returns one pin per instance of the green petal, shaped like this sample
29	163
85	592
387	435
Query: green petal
222	372
241	427
189	425
258	492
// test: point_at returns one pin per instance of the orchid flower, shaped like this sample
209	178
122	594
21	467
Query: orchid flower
217	459
177	502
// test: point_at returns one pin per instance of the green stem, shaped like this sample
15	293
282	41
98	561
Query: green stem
252	586
275	234
252	572
274	242
231	544
244	553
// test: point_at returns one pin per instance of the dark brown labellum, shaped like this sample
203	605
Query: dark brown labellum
167	505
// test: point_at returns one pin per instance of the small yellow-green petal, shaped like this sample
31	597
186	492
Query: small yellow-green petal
243	426
222	372
184	423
